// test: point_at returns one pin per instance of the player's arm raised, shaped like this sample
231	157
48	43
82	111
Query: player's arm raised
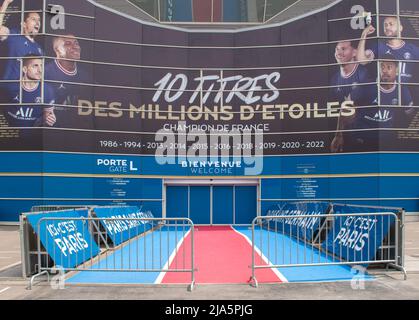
49	117
409	105
343	122
4	31
364	56
338	141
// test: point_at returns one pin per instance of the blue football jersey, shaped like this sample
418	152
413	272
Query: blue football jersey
18	46
25	114
387	115
351	84
65	92
405	52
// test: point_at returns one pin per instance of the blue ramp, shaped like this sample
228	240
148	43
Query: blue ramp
281	249
151	251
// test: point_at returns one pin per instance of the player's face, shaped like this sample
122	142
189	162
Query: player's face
388	71
72	48
391	26
32	24
33	70
344	52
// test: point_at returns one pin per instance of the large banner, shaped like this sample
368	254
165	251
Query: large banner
65	237
359	237
123	223
300	220
96	81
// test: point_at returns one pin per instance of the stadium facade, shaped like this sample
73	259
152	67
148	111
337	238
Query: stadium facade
215	112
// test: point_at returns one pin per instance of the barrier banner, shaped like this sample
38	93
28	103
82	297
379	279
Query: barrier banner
302	228
123	229
358	238
68	242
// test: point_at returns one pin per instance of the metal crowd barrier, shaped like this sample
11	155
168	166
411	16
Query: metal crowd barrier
144	250
293	246
28	238
47	208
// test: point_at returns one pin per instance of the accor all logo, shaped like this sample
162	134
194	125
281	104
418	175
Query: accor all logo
383	115
380	116
24	114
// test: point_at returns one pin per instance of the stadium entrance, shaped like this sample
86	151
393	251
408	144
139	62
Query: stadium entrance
212	202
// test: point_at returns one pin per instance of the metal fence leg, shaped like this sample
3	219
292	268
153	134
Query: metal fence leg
36	276
253	282
191	286
399	268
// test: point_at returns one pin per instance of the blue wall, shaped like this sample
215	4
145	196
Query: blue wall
42	178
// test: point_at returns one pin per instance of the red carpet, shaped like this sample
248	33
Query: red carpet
202	11
221	256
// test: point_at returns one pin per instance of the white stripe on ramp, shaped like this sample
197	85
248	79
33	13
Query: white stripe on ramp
265	259
4	290
172	257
